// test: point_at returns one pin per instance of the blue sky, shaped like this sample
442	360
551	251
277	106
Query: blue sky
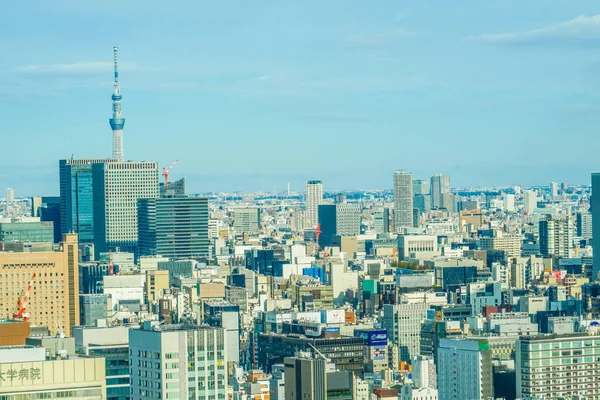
253	95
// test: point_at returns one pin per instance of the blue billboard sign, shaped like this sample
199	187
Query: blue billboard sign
373	337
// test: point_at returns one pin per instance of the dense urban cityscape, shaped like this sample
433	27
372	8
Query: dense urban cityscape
128	286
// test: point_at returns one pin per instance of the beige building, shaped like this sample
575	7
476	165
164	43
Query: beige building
470	220
156	282
26	374
510	244
54	298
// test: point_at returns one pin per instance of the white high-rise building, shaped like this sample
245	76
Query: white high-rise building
117	186
556	237
314	197
464	370
509	202
440	185
10	196
423	372
553	189
403	324
348	219
529	201
178	362
403	200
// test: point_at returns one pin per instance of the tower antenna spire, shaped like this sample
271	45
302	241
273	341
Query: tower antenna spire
117	121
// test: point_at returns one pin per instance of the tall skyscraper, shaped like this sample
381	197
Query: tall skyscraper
117	186
178	362
314	197
403	200
76	197
54	299
556	237
174	227
117	121
595	209
440	185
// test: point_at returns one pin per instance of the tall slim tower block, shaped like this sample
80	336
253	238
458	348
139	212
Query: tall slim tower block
403	200
117	121
76	197
314	197
117	186
440	185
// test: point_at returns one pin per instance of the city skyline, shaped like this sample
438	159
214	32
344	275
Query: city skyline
308	84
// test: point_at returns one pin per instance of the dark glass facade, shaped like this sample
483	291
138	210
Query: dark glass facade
173	227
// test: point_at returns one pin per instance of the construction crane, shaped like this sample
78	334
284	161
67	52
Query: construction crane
165	173
111	267
23	302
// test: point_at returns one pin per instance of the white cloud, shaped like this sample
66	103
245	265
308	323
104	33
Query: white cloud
582	29
87	67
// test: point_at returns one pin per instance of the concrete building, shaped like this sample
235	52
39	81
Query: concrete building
314	198
10	196
27	374
525	270
424	372
558	366
381	220
403	325
403	200
246	220
346	353
556	237
117	188
348	219
55	297
222	314
464	370
482	294
470	220
76	197
584	225
529	201
178	361
173	227
440	185
93	307
305	378
111	343
510	244
156	283
26	232
417	246
126	289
